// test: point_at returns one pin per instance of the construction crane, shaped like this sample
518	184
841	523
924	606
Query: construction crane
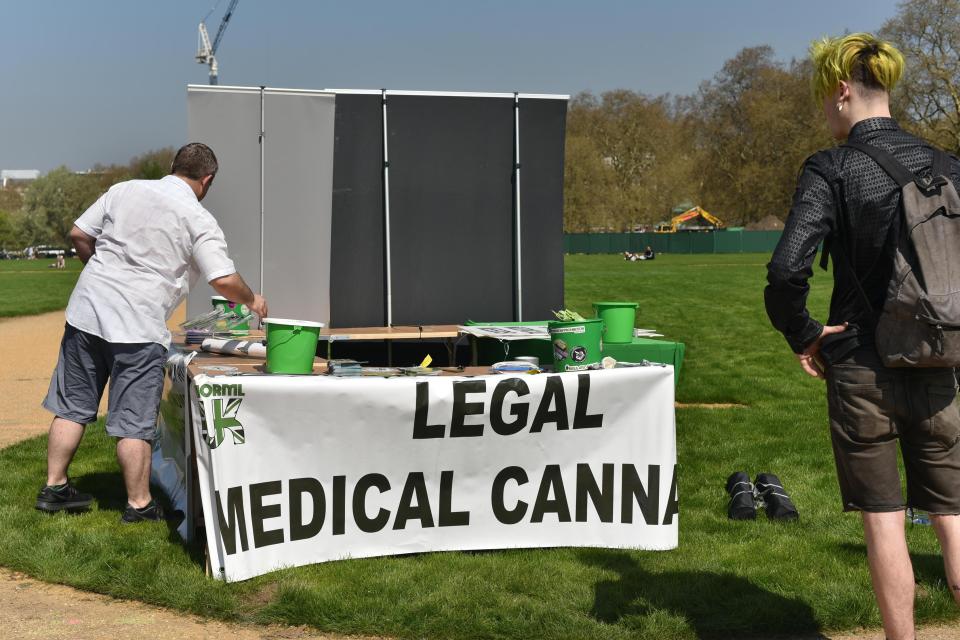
206	52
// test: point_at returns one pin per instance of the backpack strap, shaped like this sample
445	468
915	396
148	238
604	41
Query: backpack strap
939	171
941	164
893	167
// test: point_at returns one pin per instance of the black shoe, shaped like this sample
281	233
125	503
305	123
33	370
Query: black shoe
742	505
62	497
151	512
776	501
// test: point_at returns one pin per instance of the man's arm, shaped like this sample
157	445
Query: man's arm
234	289
84	243
812	218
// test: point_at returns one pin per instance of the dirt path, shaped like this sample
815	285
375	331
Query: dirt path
34	609
28	354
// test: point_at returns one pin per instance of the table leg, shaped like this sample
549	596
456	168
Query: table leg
451	344
473	351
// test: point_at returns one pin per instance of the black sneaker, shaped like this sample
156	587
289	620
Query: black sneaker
62	497
151	512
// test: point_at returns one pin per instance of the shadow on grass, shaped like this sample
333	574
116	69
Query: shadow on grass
110	493
715	605
106	487
927	567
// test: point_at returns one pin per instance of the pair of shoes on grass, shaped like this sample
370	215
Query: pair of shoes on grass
767	491
66	497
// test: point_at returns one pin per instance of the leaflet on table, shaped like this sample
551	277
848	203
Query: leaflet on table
530	332
525	332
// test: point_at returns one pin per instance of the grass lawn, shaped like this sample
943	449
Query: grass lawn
28	287
727	579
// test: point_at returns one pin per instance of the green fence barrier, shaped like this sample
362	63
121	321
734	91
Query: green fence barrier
728	241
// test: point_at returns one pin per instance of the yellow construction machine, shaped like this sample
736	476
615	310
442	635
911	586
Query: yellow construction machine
693	219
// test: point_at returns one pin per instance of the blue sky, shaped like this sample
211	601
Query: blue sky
101	81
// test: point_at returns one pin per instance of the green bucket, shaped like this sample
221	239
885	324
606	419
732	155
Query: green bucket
576	345
291	345
238	310
618	320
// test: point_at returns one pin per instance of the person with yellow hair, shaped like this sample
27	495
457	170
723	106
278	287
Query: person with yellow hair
845	200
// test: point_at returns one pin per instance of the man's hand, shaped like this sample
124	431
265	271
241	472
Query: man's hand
259	306
809	359
233	288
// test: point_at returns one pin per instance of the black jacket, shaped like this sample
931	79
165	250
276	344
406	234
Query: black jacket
847	201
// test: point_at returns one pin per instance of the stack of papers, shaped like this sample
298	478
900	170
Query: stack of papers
530	332
524	332
344	368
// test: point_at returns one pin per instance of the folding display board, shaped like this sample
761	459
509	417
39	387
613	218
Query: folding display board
297	183
389	207
229	123
358	266
272	192
451	208
542	126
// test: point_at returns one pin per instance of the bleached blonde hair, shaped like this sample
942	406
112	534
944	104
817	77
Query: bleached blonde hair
859	58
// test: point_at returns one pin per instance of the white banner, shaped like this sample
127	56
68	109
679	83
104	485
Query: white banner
298	470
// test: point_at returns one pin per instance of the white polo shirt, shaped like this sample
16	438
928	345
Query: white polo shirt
153	239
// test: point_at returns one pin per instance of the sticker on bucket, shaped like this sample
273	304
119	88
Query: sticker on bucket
576	344
560	351
576	329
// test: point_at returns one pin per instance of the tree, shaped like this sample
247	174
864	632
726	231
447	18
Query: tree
8	232
152	165
755	123
625	160
591	197
30	229
10	199
52	203
928	34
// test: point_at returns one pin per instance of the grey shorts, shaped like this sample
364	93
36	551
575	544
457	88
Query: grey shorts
135	372
873	408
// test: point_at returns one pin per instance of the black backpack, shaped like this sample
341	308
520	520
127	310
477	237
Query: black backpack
919	325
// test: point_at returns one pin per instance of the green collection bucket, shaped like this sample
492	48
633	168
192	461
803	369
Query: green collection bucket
576	345
618	320
238	310
291	345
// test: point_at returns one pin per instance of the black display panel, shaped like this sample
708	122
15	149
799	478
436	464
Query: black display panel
451	204
542	134
357	280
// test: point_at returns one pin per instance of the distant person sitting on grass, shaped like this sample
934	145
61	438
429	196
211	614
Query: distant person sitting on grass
632	257
142	244
648	254
846	200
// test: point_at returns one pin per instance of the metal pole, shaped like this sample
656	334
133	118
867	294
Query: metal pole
516	182
386	209
262	133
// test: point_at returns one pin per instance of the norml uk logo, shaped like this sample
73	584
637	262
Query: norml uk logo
225	400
